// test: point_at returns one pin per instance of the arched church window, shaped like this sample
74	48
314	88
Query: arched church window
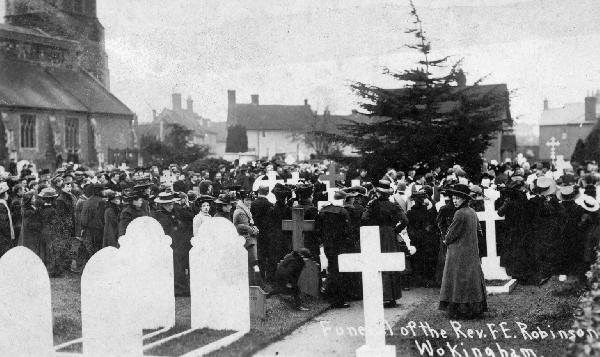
27	131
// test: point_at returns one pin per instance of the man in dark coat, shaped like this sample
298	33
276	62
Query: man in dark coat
311	239
388	216
289	272
92	223
282	240
173	223
262	213
333	223
443	222
463	288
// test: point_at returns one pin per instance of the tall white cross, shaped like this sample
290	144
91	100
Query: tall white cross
371	262
553	144
491	263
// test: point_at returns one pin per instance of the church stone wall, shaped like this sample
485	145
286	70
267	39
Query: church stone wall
115	133
38	154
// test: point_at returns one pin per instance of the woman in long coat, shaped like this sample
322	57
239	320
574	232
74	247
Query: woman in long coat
111	219
463	287
391	221
31	226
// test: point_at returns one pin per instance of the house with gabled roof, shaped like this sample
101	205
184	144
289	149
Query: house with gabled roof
202	131
567	124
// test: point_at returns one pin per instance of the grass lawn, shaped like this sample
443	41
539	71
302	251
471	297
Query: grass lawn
549	308
280	321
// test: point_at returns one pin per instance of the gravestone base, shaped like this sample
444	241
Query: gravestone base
383	351
502	289
492	269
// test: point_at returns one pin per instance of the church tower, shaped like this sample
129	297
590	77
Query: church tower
71	19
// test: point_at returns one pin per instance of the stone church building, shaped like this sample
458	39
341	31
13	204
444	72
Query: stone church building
55	99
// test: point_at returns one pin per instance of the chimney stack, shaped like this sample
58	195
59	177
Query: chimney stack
546	107
254	99
190	105
177	101
306	102
231	97
153	114
590	108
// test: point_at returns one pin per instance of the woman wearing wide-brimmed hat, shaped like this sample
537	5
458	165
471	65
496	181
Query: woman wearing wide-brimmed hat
133	209
517	243
463	288
573	239
547	220
391	221
590	226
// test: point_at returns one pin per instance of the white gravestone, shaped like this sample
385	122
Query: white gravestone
219	278
355	183
149	257
371	262
25	308
491	263
109	321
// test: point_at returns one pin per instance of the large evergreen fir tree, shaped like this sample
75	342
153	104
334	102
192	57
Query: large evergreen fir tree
430	120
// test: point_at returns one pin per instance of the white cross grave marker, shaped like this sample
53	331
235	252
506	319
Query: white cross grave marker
553	144
371	262
491	263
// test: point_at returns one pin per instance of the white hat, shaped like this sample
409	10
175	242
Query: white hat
588	203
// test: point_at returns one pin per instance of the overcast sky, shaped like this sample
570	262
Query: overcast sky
287	51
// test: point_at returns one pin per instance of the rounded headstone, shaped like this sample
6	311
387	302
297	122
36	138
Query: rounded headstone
26	310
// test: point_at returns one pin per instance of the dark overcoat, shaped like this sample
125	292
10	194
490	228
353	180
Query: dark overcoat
127	215
388	216
31	228
111	226
463	285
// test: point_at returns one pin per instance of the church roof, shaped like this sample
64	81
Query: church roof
571	113
24	84
271	117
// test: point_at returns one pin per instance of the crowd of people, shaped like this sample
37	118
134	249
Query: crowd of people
550	225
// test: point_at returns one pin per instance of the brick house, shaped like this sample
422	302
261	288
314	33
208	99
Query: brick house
55	101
